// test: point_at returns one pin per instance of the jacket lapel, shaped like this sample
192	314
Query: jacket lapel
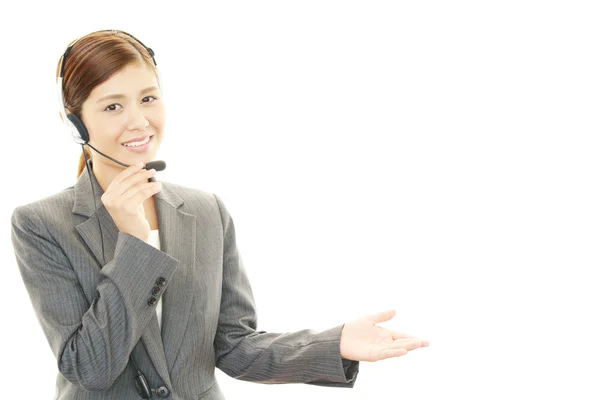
89	229
177	232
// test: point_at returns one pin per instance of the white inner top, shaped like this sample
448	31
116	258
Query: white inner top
154	240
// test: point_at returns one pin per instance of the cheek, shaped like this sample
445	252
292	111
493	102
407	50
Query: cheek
104	129
157	120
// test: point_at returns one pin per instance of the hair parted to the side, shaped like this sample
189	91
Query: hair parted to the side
93	59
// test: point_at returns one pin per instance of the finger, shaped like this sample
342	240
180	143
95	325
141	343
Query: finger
132	169
388	353
408	344
400	335
132	181
126	179
140	176
424	343
383	316
411	345
150	188
134	190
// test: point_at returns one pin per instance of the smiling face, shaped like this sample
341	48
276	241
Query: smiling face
127	108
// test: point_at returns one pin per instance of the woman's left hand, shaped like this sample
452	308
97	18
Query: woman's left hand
363	340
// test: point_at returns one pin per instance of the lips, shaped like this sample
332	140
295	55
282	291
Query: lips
139	148
137	139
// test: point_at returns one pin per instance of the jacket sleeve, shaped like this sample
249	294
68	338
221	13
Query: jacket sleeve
91	342
244	353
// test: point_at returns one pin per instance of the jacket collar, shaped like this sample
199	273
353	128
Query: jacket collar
177	233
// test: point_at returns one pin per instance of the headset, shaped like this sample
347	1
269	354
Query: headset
80	135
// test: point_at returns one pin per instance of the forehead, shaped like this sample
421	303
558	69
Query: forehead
130	80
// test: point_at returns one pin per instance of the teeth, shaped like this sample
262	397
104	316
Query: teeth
135	144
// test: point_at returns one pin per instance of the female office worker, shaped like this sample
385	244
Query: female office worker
137	283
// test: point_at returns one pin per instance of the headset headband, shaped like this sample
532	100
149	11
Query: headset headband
68	50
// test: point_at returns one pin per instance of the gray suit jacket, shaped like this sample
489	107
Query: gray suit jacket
95	315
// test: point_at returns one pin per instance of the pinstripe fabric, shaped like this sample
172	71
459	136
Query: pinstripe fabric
95	315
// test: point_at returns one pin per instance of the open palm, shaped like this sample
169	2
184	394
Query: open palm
363	340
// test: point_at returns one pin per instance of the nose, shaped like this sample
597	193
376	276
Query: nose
137	119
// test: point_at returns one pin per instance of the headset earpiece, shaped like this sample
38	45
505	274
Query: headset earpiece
80	133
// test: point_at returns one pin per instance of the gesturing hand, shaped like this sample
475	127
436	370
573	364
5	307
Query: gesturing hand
362	340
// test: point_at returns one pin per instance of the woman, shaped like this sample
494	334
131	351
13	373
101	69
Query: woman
137	283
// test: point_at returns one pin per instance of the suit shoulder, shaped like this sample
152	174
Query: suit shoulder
186	192
199	201
57	205
193	198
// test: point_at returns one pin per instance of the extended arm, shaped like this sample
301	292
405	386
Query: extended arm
247	354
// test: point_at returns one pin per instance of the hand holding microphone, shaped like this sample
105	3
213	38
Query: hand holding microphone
124	198
157	165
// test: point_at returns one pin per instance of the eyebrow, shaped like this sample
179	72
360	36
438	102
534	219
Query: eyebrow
120	96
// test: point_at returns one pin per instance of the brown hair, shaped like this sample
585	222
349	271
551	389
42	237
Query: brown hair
93	59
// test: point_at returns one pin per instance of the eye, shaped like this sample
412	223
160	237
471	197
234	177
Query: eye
112	107
149	97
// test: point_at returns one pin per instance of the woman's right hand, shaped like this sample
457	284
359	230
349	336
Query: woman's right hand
124	200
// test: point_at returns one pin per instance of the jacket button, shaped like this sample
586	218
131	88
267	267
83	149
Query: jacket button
152	301
155	290
162	392
161	281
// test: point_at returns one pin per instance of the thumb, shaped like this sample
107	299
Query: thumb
382	316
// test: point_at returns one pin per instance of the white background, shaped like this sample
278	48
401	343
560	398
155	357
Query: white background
436	157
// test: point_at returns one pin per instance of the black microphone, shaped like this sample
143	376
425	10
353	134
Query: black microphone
158	165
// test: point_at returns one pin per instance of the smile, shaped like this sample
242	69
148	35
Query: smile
140	146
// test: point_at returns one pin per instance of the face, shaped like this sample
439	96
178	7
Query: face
127	108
